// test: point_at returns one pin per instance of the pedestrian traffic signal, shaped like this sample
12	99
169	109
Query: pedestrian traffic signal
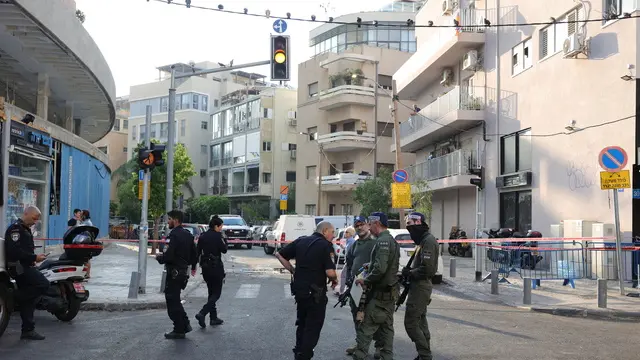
479	172
157	150
150	158
280	57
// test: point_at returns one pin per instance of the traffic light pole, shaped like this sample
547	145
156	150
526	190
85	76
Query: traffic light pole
172	119
143	230
396	130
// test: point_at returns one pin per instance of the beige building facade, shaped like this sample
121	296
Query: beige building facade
115	143
253	148
344	124
552	85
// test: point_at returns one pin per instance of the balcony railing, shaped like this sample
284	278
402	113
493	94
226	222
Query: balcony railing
346	89
220	189
351	136
456	99
344	179
452	164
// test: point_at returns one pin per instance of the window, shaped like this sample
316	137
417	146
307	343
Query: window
313	89
293	146
183	127
116	125
553	36
385	129
267	113
266	178
164	104
266	146
349	126
103	149
134	132
203	149
347	209
164	130
143	132
290	176
205	103
521	57
313	133
216	103
214	157
311	172
204	125
227	152
203	172
125	150
125	124
153	131
347	168
515	152
385	81
515	210
332	209
196	101
310	209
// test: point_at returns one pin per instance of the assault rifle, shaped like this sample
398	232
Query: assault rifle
346	295
406	282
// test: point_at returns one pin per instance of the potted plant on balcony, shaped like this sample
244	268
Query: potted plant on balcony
474	103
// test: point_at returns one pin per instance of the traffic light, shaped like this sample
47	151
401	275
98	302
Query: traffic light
280	57
157	150
479	172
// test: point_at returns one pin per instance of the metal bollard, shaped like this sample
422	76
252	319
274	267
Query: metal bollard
602	293
494	282
526	297
163	281
452	267
133	285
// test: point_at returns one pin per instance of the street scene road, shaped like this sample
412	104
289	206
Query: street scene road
259	316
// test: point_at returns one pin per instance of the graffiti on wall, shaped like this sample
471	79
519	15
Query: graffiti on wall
582	175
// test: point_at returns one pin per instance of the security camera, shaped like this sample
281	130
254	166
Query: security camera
571	126
28	119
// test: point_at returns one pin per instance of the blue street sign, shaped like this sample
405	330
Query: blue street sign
280	26
141	175
400	176
284	197
636	193
613	158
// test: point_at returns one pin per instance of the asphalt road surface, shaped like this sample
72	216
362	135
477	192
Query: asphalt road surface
259	325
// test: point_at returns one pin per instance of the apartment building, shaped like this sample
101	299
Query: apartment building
519	103
115	143
196	98
344	124
253	150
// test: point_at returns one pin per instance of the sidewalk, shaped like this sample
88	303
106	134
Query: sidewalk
110	277
551	297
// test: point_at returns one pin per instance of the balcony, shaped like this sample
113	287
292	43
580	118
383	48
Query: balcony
445	172
346	95
444	49
456	111
346	140
342	182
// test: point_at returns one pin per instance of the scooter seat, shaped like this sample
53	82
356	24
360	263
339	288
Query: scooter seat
49	263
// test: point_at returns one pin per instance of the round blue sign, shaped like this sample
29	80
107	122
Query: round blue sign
400	176
280	26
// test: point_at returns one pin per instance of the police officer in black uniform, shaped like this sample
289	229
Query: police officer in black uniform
180	253
309	286
211	246
21	259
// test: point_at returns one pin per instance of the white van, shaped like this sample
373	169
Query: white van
407	247
339	222
289	228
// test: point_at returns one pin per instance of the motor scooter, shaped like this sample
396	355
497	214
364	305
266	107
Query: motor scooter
66	275
461	249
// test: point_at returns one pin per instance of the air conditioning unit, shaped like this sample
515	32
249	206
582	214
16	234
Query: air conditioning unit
470	60
447	77
573	45
447	7
293	122
292	115
293	154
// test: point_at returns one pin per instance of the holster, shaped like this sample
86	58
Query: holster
210	261
386	293
15	269
318	293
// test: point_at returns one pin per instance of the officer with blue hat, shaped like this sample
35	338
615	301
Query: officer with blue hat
420	271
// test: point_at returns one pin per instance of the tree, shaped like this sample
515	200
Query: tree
183	170
200	209
375	193
113	208
421	198
80	15
255	210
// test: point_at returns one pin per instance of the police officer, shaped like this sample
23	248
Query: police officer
309	286
423	268
21	259
360	253
211	246
381	291
180	253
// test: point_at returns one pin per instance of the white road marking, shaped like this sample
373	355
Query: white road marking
248	291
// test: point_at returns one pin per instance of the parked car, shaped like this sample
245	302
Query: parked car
235	228
289	228
259	235
407	249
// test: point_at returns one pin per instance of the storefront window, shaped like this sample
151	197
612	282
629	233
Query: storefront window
26	187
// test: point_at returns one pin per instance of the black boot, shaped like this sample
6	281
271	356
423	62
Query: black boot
201	317
174	335
31	335
215	320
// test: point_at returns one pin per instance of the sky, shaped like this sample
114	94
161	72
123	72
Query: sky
137	36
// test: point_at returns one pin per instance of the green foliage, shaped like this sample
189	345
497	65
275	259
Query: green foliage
255	211
200	209
183	169
375	193
113	208
81	16
421	198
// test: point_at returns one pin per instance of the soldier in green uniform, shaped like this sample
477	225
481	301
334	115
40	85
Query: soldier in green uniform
381	291
423	268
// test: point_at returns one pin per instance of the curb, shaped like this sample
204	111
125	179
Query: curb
123	306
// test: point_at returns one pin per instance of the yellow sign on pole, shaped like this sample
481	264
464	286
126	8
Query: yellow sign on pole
401	196
615	180
283	205
140	189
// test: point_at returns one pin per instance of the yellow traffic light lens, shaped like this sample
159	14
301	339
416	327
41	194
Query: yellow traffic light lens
279	57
